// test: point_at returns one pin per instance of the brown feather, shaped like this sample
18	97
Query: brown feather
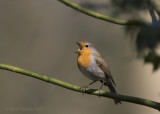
105	68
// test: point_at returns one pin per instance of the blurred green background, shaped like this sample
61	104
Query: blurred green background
40	36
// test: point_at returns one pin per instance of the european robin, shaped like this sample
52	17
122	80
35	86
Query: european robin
93	66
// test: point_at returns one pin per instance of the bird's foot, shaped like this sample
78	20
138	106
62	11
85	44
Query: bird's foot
84	89
99	90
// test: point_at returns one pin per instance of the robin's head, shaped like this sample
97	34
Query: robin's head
84	48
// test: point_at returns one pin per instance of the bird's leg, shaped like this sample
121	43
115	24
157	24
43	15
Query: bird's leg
99	90
84	87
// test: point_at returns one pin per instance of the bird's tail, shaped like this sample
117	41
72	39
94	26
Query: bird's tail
113	90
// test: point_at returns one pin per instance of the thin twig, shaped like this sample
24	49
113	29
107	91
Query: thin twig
151	11
103	17
156	9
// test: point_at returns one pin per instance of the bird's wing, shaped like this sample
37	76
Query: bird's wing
103	65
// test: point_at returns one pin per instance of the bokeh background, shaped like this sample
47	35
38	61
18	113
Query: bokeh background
40	36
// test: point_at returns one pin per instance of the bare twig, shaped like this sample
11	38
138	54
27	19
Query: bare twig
103	17
151	11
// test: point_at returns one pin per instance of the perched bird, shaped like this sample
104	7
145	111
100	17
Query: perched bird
93	66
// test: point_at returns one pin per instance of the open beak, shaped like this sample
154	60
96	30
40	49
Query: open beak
76	52
78	45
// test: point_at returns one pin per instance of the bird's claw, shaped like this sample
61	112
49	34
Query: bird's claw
99	90
83	89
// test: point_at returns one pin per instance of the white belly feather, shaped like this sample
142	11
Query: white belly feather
93	72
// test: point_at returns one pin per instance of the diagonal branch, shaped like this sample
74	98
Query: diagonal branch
151	11
54	81
157	11
103	17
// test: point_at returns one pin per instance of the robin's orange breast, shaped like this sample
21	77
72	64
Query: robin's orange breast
84	61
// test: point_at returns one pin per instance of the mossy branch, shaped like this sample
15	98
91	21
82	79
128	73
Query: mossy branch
54	81
103	17
151	11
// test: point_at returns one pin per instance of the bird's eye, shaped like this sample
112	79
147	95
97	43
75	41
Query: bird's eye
86	45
